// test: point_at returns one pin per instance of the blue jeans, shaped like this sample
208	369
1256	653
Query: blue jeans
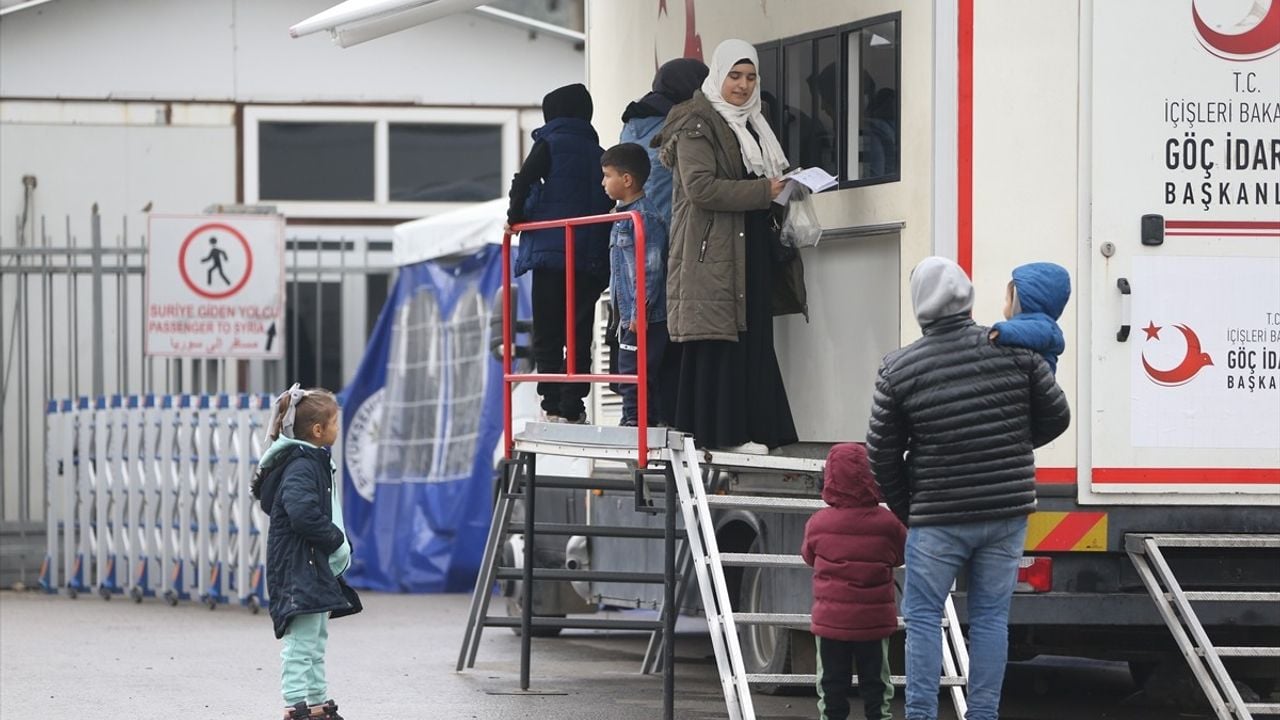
627	364
935	555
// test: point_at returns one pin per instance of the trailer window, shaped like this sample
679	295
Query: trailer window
832	99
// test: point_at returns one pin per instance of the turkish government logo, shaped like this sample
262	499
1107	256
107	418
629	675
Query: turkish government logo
1193	360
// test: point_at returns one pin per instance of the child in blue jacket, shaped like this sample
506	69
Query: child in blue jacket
626	168
1033	303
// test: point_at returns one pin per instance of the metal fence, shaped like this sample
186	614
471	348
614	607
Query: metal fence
72	317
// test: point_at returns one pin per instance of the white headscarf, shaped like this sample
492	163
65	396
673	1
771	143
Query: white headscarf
764	158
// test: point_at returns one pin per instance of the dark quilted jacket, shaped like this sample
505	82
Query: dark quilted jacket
853	547
294	491
954	424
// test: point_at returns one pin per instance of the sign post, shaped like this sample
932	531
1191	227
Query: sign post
215	286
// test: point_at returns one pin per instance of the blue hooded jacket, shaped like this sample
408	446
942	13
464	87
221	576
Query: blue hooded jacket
1042	292
673	84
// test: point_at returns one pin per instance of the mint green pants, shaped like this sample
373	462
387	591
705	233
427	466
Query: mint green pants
302	659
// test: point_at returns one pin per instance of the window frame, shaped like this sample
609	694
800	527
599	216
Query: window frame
508	119
841	34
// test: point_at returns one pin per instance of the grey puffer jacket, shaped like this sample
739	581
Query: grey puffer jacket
954	424
706	266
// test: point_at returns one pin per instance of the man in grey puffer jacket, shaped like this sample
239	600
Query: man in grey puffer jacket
970	413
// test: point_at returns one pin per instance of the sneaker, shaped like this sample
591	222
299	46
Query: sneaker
747	448
580	420
327	710
547	417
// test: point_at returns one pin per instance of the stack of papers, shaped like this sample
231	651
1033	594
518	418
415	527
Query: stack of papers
815	179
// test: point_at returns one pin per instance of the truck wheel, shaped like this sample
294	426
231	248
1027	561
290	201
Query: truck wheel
766	649
513	610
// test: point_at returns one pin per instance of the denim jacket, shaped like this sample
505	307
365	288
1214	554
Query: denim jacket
622	264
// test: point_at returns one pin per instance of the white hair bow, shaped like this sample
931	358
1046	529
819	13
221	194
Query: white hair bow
294	393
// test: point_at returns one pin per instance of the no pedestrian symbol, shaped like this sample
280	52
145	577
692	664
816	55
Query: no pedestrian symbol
215	286
215	261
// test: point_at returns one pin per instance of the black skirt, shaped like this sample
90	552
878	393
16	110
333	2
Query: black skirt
728	393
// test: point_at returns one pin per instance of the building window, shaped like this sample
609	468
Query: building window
367	162
454	163
832	98
315	161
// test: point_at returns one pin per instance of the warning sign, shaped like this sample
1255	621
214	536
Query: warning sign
215	286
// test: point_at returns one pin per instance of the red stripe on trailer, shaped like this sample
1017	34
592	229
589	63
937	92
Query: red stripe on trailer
1217	233
1186	476
1224	224
964	138
1056	475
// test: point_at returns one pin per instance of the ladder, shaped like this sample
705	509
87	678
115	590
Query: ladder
1177	608
709	563
520	482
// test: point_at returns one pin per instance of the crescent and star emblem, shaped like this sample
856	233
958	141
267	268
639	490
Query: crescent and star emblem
1193	361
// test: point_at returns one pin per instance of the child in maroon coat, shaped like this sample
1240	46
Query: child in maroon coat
853	547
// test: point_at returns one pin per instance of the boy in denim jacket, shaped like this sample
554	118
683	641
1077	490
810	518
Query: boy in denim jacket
626	167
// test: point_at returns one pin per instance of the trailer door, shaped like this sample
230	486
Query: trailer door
1183	156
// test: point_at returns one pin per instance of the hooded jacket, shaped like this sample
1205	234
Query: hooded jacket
294	489
643	119
853	547
1041	292
956	418
711	194
561	179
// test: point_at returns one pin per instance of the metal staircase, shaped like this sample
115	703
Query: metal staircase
680	473
709	563
1178	608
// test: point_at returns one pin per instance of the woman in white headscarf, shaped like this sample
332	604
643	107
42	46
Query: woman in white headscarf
725	279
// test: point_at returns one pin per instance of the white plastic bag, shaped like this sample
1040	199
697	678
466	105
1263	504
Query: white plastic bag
801	229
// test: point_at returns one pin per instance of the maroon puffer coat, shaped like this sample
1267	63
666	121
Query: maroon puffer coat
853	547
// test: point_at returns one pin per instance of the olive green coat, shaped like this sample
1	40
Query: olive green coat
706	267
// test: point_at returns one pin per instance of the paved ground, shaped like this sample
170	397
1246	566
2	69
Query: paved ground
63	658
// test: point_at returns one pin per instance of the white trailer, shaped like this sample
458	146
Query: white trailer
1135	143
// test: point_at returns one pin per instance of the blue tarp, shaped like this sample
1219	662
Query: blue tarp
417	515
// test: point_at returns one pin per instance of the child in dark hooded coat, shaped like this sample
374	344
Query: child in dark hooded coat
853	546
561	179
1033	303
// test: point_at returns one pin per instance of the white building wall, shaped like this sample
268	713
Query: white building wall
140	104
240	50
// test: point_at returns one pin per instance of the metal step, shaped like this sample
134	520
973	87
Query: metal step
566	483
1208	541
577	623
615	531
1227	596
795	620
744	463
800	621
803	506
1243	651
762	560
812	680
1263	708
581	575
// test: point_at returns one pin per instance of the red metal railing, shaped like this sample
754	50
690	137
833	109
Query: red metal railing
571	374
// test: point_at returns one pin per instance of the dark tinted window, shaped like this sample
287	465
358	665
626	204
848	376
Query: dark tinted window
838	103
315	161
876	119
313	321
768	77
454	163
